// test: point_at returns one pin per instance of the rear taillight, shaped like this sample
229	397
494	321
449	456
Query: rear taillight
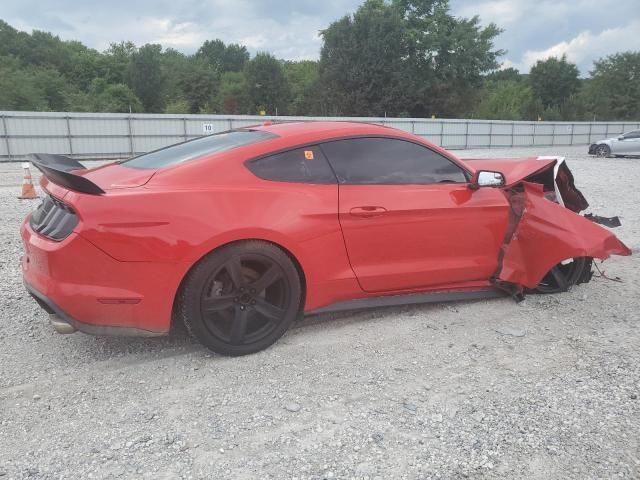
53	219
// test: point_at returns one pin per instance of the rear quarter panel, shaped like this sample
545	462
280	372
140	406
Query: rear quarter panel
182	223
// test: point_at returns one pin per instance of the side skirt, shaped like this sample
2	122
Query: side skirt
409	299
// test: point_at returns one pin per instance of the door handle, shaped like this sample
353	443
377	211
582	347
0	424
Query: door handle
367	211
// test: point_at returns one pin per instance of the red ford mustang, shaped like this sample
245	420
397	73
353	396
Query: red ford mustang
236	234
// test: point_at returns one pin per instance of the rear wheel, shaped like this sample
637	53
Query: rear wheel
565	275
603	151
241	298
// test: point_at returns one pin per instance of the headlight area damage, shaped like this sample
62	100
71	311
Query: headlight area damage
545	230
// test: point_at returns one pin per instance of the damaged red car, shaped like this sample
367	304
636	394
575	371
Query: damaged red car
239	233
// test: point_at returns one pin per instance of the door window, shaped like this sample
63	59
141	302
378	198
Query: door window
388	161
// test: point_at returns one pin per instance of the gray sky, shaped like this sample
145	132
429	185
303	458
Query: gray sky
534	29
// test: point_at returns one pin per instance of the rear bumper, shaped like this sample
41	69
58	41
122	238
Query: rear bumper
64	320
95	293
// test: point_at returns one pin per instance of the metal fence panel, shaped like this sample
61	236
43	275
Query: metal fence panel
109	135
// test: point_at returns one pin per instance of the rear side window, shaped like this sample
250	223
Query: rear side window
388	161
182	152
302	165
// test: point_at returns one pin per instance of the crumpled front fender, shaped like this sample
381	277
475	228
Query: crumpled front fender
546	233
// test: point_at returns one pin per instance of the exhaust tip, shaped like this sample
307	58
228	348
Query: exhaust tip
60	326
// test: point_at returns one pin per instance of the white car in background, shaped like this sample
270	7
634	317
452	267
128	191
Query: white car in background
626	144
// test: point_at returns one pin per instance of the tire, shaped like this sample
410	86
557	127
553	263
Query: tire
241	298
564	276
603	150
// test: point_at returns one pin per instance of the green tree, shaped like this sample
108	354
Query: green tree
53	86
223	58
199	84
554	81
405	57
178	105
364	61
105	97
235	58
146	78
447	56
267	85
18	90
506	100
115	61
613	92
302	77
175	66
510	74
233	97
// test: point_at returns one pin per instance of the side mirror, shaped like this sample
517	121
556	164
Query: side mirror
485	178
621	137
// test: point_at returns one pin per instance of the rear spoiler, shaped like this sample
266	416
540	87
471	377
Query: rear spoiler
59	168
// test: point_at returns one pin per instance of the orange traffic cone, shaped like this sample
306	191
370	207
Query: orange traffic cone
28	190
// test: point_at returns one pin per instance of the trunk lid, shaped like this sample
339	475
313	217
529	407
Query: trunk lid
114	176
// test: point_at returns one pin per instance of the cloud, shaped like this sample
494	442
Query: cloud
584	29
287	28
587	46
501	12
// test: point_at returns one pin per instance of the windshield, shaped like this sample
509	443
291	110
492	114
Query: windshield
182	152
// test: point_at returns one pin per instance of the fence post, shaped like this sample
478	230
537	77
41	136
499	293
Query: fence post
130	135
441	133
184	128
535	129
69	135
553	134
573	127
606	132
413	127
490	134
513	132
230	124
6	135
466	135
590	129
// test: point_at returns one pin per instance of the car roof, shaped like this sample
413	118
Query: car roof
315	131
297	133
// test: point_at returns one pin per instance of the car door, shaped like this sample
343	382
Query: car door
408	217
631	143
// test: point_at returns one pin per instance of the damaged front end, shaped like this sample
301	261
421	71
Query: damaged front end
548	245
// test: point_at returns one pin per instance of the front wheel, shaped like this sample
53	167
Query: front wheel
241	298
565	275
603	151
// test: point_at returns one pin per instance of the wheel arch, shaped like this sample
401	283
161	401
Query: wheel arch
287	251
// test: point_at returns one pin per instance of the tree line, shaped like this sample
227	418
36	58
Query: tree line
397	58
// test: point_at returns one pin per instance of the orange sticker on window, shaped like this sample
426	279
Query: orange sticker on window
308	154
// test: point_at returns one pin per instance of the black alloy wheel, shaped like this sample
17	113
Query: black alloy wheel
564	276
241	298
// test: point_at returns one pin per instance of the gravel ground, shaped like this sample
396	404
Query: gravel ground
545	389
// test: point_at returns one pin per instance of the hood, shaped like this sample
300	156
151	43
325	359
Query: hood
514	169
607	140
114	176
